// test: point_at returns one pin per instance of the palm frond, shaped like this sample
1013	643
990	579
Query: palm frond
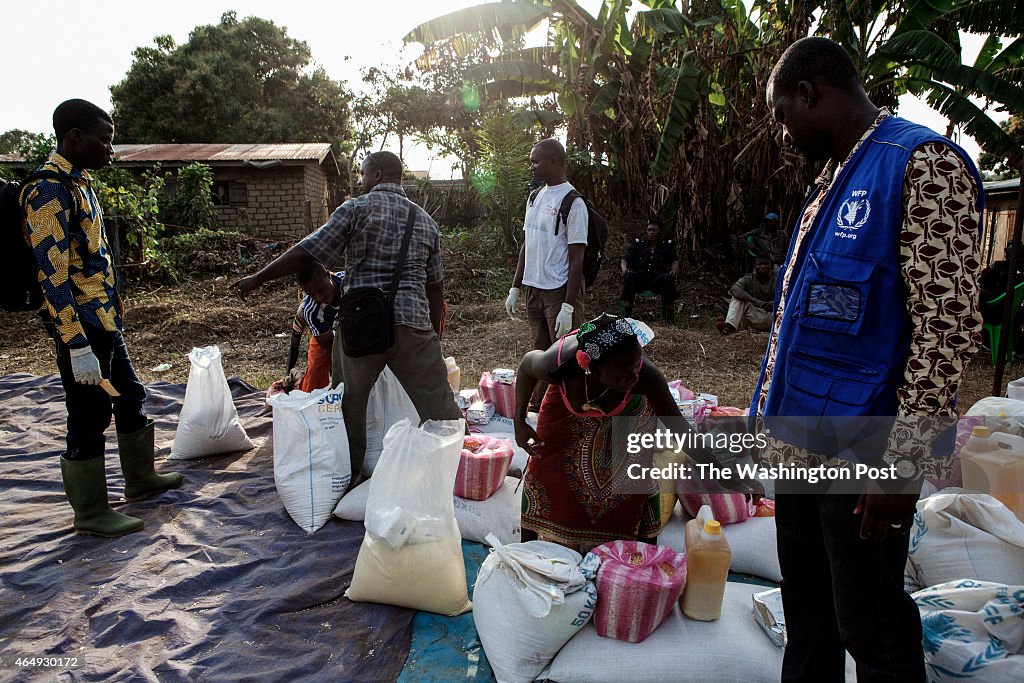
520	70
961	111
1005	17
1011	57
684	102
924	48
500	20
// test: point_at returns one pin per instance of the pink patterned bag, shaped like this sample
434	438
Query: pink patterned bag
502	395
727	508
482	467
684	393
637	585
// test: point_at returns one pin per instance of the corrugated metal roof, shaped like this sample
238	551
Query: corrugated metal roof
303	151
217	153
1002	185
307	151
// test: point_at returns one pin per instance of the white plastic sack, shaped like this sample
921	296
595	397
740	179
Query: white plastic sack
753	545
973	630
965	536
312	467
731	649
498	515
411	554
529	600
994	406
353	506
208	424
388	403
1015	389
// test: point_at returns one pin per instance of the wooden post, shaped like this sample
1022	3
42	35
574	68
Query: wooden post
112	224
1011	280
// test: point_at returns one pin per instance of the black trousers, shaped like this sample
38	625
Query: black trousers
89	407
663	284
843	593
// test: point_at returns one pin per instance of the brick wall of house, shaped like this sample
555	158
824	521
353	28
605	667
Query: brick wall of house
275	203
317	196
270	206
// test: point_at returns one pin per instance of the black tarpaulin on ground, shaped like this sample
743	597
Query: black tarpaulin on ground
220	585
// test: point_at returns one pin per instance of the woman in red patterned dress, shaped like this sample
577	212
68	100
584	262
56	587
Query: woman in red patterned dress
576	487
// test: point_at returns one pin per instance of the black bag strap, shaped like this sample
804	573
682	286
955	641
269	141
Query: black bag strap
563	211
409	223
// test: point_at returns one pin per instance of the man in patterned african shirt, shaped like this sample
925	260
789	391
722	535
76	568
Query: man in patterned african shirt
82	314
877	313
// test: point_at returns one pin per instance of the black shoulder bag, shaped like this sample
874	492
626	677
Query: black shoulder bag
366	314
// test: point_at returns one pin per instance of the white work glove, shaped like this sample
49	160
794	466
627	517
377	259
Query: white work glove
563	323
511	302
84	366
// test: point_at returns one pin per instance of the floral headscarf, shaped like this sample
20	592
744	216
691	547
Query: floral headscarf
597	337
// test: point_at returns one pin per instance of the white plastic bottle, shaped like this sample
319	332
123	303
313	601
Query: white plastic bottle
707	567
1005	424
993	463
454	374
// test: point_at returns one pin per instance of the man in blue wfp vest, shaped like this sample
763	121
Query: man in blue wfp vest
876	312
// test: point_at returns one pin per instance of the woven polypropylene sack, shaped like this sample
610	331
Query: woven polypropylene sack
208	423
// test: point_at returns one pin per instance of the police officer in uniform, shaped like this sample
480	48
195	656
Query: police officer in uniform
651	264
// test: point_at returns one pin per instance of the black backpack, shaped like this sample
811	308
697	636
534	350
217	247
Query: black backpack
597	233
19	283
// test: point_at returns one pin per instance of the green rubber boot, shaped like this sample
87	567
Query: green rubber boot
140	478
85	482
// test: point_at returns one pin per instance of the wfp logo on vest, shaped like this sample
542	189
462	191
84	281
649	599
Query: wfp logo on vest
853	214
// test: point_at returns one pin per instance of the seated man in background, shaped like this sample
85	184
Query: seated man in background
768	238
650	264
992	283
316	313
752	298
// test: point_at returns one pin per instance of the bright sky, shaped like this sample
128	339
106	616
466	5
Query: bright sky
88	47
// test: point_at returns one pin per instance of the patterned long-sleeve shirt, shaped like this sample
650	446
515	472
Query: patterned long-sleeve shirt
939	249
72	256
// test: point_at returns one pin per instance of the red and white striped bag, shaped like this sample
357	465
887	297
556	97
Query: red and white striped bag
502	395
482	467
637	585
727	508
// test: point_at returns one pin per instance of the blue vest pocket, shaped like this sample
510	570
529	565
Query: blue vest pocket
835	292
836	302
824	385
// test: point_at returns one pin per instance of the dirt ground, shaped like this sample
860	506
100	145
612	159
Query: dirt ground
164	323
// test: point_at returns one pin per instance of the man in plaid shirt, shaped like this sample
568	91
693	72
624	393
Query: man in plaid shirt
366	232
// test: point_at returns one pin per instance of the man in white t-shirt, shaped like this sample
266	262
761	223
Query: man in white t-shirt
550	271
